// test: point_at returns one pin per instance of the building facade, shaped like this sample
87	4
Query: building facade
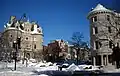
103	28
83	54
56	50
30	34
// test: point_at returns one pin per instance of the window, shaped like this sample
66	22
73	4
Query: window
110	44
34	38
109	29
108	17
100	44
95	30
10	35
25	29
34	46
27	46
97	44
26	38
94	19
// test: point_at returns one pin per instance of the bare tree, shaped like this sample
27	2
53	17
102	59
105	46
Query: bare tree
79	44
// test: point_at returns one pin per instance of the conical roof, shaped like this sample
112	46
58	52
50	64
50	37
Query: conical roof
100	8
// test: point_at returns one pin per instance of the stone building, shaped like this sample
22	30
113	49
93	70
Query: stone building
57	49
103	24
83	54
30	33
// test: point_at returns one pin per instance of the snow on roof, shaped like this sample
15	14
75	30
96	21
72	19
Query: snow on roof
35	30
13	28
8	24
99	8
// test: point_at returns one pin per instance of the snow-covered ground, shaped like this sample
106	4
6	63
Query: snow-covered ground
41	69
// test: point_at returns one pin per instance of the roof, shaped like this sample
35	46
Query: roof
100	8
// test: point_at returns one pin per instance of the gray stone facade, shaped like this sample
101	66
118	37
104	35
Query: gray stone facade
31	37
103	29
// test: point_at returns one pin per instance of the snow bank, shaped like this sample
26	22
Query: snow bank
73	67
49	68
43	75
40	64
89	67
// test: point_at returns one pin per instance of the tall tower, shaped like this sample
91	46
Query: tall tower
101	20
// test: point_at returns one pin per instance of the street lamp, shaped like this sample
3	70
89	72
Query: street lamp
14	53
16	46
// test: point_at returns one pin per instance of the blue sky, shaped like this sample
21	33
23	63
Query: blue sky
58	18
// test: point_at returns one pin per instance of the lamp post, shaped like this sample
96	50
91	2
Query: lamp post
16	46
14	53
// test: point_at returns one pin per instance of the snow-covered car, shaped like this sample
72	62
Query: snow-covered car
32	60
65	65
89	67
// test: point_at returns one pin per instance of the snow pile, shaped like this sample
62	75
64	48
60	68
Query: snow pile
32	60
15	73
43	75
49	64
89	67
40	64
54	64
31	64
84	66
49	68
73	67
66	64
